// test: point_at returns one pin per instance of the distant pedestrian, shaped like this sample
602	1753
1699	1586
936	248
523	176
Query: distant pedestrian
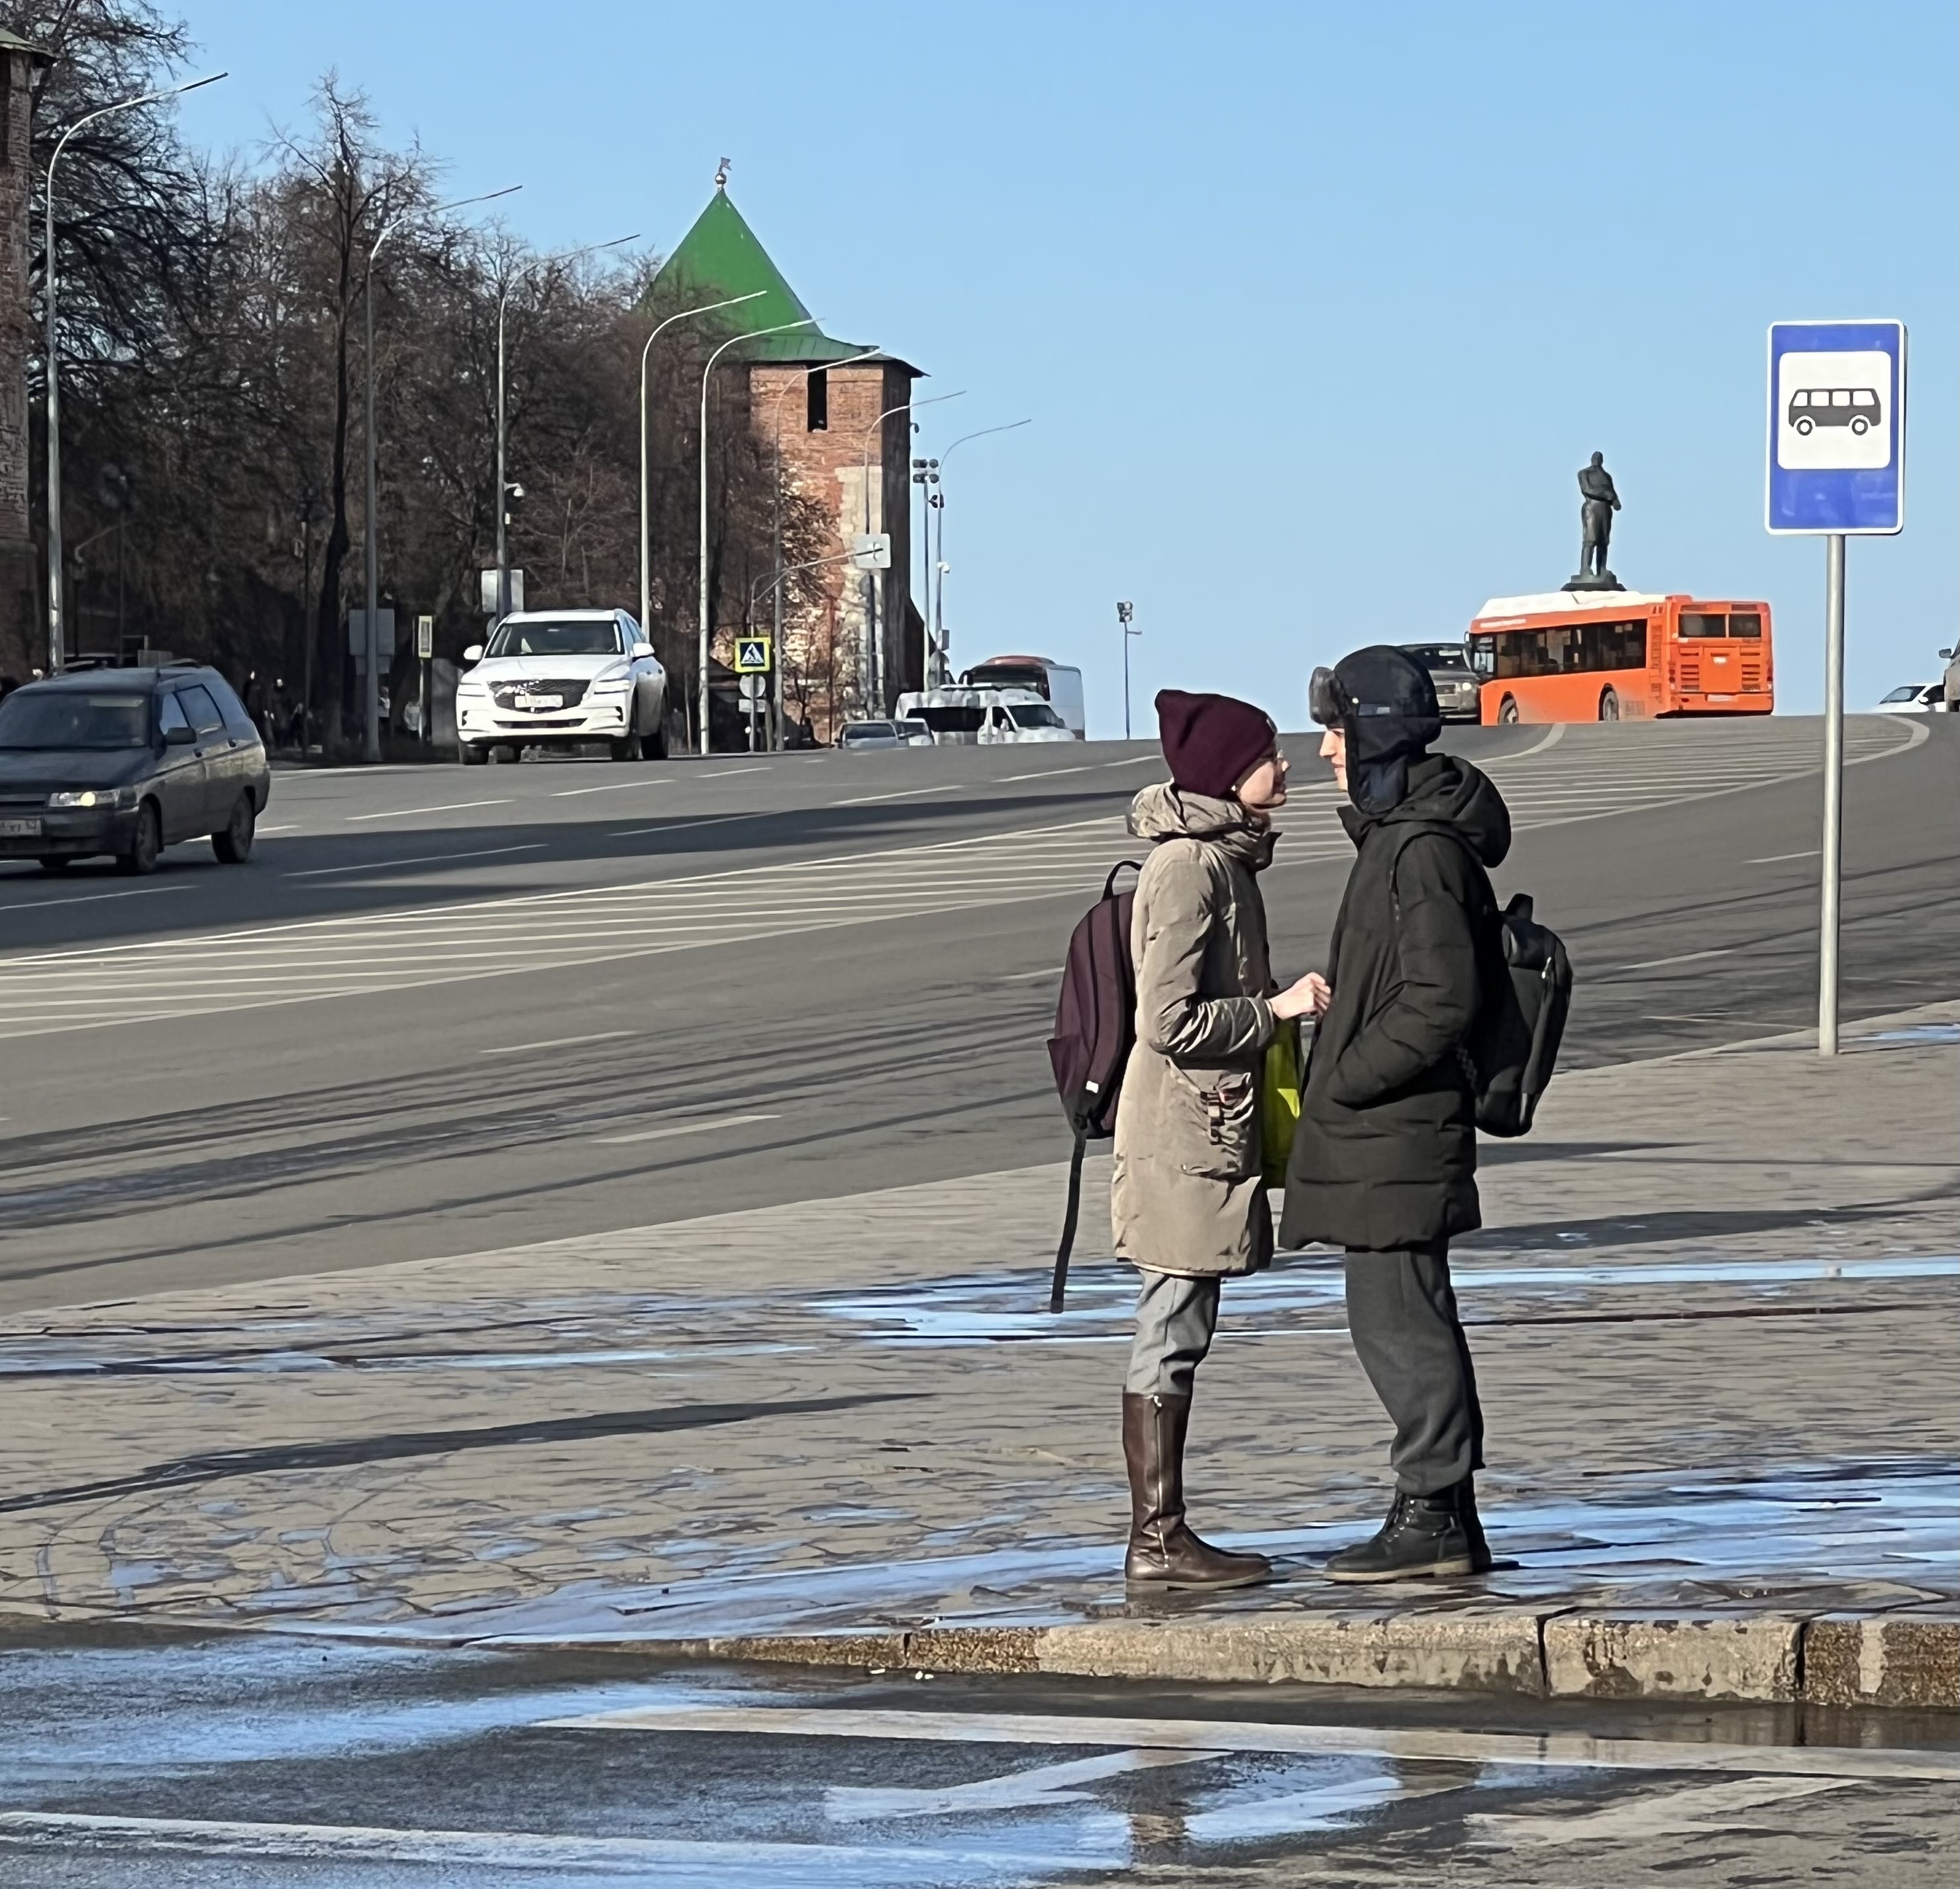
1384	1157
1188	1199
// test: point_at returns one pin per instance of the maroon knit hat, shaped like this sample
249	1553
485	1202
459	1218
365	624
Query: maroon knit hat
1212	742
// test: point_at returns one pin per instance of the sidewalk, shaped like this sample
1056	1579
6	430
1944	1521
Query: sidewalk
1712	1310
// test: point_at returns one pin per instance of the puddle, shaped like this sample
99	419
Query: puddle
1915	1033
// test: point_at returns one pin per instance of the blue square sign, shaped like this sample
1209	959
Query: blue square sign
1836	446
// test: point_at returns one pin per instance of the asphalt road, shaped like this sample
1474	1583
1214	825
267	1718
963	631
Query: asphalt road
134	1761
443	1011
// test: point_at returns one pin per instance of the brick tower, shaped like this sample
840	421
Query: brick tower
836	450
22	645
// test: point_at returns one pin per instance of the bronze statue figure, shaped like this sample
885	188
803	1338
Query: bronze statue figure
1599	501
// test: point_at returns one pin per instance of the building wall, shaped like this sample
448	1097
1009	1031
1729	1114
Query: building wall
22	639
828	468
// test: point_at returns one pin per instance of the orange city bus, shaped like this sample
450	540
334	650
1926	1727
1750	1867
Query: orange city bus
1606	655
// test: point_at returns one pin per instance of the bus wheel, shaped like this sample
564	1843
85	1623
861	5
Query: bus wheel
1609	707
1508	713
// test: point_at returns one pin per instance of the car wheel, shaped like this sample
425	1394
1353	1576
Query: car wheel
509	754
146	844
627	748
475	754
1804	426
653	745
1609	707
56	862
1508	713
234	846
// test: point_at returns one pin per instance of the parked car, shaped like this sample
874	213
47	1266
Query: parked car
913	734
1458	696
1914	698
870	734
126	761
562	678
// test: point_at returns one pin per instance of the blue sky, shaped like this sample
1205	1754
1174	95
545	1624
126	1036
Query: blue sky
1316	309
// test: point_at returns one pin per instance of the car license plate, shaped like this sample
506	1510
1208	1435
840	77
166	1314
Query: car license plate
526	700
19	829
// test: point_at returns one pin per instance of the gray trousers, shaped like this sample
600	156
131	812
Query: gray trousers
1176	1319
1401	1314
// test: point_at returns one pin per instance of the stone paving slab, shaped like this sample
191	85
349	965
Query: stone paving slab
1712	1310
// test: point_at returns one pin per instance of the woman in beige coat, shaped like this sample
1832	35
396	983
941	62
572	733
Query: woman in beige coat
1188	1199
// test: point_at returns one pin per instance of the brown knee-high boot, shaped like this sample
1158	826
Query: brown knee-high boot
1164	1552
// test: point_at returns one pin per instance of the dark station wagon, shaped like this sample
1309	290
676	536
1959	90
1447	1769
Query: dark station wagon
126	761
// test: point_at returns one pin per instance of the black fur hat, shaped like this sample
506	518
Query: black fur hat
1382	699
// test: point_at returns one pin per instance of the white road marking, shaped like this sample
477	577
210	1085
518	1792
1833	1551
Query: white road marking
90	898
419	859
1325	1807
615	786
1550	738
409	812
1705	1810
1045	1784
681	1128
1777	859
555	1042
707	819
722	774
1028	976
290	827
1552	1750
1136	761
1046	773
906	793
1686	957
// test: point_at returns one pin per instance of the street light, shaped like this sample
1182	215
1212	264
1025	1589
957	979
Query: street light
646	551
503	486
1124	613
936	634
776	531
873	677
371	714
57	654
707	373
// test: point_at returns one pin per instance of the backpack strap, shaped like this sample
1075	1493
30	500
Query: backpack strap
1070	1214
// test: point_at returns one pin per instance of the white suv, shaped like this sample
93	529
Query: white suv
563	678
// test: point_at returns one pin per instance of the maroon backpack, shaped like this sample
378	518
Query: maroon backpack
1095	1027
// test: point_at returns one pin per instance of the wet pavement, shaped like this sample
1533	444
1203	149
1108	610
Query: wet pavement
132	1762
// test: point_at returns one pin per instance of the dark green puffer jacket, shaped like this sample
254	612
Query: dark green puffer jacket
1385	1152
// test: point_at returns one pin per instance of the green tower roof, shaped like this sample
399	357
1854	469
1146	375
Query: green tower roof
720	257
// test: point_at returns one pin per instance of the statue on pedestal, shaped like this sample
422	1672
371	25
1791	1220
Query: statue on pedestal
1598	502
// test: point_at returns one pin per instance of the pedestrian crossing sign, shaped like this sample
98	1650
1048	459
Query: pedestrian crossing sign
751	655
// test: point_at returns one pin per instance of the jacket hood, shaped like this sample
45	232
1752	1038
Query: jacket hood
1444	791
1167	812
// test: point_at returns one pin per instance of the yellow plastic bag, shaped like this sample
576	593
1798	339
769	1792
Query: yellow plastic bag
1279	1103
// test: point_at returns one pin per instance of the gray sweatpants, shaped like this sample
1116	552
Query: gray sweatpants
1401	1314
1176	1319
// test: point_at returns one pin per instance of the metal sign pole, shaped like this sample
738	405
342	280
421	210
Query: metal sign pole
1834	793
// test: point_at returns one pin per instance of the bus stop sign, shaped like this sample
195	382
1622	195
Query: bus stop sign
1837	433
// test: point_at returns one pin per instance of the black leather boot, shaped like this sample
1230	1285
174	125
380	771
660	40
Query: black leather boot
1466	1492
1164	1552
1423	1536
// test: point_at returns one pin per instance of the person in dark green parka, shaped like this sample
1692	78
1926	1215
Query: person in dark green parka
1384	1159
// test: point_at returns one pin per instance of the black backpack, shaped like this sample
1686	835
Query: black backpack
1525	981
1095	1029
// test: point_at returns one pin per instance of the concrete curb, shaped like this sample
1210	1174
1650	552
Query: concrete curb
1909	1659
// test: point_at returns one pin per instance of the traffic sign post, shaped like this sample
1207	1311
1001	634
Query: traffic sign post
425	651
1836	469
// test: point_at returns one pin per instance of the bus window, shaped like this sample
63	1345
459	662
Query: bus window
1484	657
1746	623
1702	623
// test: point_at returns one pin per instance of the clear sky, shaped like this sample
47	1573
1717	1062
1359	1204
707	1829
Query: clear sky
1316	309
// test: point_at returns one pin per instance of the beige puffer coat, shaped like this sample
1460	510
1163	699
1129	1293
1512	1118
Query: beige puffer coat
1187	1197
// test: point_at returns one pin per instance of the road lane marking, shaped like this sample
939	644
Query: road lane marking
707	819
420	859
1686	957
1550	738
614	787
906	793
1044	1784
556	1042
1026	976
681	1128
409	812
1136	761
1707	1810
723	774
1777	859
1553	1750
291	826
89	899
1046	773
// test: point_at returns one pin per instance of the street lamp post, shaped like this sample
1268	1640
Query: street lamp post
503	484
776	530
1124	613
938	633
646	545
925	476
873	668
706	374
370	717
57	651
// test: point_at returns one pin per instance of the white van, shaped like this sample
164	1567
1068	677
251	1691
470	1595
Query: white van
1056	683
984	717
